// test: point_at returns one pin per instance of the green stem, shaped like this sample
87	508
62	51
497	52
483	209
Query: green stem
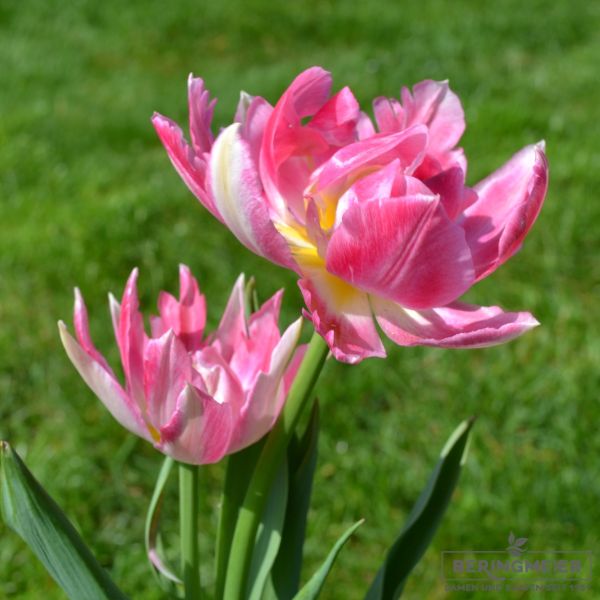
252	508
188	530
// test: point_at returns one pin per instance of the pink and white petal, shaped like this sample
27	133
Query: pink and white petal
131	340
115	313
342	316
378	185
167	370
355	159
304	97
186	316
265	400
432	103
200	429
213	375
190	166
238	195
508	203
254	354
453	158
232	328
104	385
253	117
337	118
201	110
405	249
364	127
82	331
389	114
457	325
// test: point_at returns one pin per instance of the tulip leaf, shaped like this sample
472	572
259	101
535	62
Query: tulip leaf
313	587
302	460
424	518
268	536
240	467
151	531
34	516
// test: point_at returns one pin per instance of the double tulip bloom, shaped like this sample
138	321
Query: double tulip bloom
195	398
374	217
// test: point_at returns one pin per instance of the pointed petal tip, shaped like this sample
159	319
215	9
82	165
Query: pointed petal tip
158	119
541	145
184	270
133	276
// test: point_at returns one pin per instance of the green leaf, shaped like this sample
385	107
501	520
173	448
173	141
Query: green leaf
268	537
313	587
151	531
424	518
240	467
30	512
302	460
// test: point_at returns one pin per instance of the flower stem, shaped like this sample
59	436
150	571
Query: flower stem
188	530
272	454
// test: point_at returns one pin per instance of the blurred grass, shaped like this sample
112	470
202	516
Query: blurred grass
87	193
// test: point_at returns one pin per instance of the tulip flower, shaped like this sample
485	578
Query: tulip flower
194	397
374	217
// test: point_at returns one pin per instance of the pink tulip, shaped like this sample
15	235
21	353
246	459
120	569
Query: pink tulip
196	398
376	219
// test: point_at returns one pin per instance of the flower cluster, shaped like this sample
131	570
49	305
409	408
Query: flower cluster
374	216
196	398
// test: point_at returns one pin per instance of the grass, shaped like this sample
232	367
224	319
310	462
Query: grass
88	193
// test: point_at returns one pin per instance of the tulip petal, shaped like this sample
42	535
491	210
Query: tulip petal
457	325
115	313
167	370
407	146
201	110
186	316
131	340
82	331
389	114
104	385
190	166
266	399
284	132
508	203
232	328
238	194
405	249
200	429
253	353
364	127
337	118
253	113
450	186
432	103
342	316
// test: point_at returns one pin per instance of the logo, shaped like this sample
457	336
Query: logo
516	568
515	545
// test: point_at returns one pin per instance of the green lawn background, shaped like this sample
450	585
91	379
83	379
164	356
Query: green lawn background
88	193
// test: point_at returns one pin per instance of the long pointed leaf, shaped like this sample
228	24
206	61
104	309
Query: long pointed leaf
268	537
315	584
240	467
302	460
30	512
424	518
